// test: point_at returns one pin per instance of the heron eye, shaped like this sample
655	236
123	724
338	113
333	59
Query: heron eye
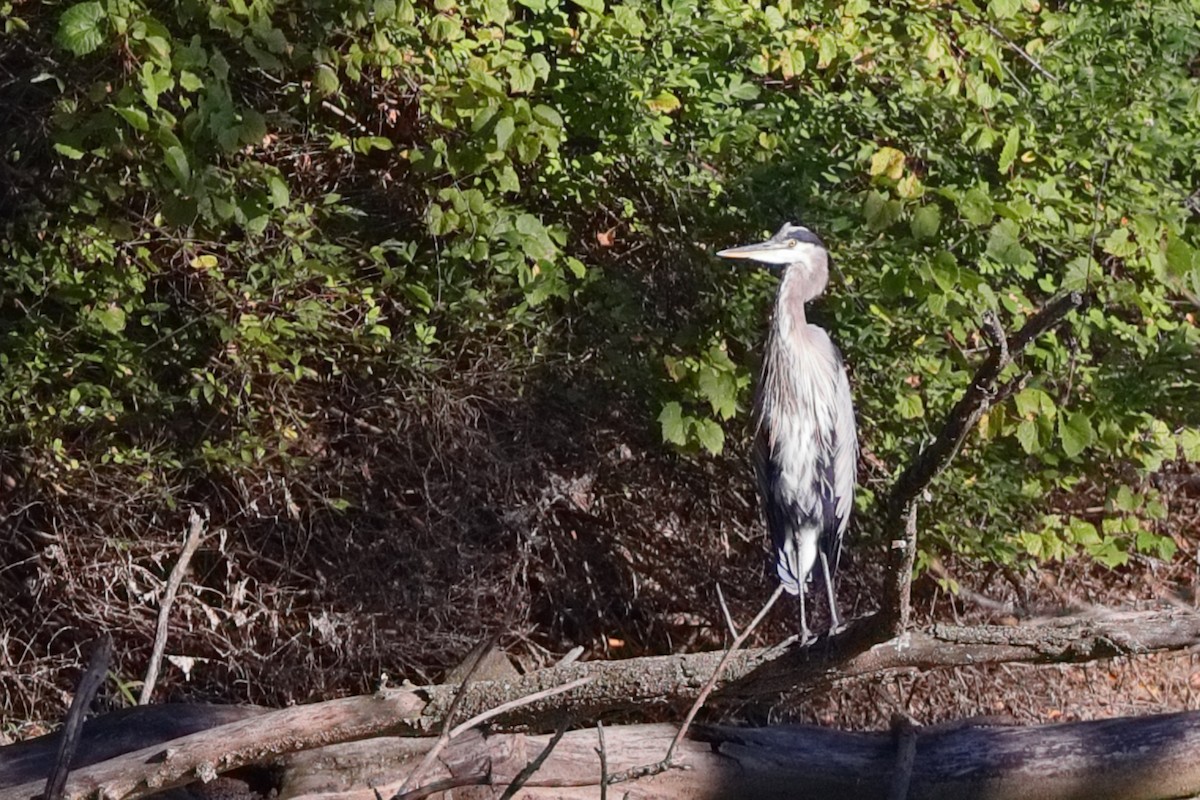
792	243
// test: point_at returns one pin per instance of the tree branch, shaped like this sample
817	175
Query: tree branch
966	412
89	684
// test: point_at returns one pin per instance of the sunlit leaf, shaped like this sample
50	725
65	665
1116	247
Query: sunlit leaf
82	27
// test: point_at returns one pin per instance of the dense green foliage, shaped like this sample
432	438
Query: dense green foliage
237	207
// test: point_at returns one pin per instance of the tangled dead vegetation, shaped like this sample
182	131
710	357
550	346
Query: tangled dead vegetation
473	499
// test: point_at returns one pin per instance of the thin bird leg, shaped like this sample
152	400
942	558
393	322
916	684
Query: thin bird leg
805	634
834	623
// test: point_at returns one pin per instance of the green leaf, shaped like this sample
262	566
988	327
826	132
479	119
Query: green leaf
1180	256
1125	500
190	81
1076	433
976	207
674	427
925	222
1109	553
879	211
1189	440
1119	244
1003	9
910	406
791	63
629	19
1012	143
326	80
177	163
504	131
720	389
507	180
710	435
888	161
1004	244
1033	543
547	115
279	192
365	144
664	102
1027	435
594	6
111	318
1083	532
67	150
827	50
81	28
419	295
134	116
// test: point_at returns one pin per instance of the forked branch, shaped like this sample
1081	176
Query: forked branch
978	396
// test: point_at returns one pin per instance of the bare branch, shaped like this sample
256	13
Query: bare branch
898	592
477	655
533	766
1011	45
89	684
437	787
733	631
195	535
600	751
712	681
975	400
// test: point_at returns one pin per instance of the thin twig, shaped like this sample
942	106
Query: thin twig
504	708
361	423
1016	48
733	631
603	761
533	766
904	729
89	684
328	106
446	735
195	534
634	773
712	681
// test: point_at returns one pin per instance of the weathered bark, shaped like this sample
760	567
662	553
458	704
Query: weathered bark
1143	758
420	712
1146	758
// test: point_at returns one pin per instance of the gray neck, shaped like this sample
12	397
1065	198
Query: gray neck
801	282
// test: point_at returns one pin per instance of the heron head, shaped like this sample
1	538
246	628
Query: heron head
791	245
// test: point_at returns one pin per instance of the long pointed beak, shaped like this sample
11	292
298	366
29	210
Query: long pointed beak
751	250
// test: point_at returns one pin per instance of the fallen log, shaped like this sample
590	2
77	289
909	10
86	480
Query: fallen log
421	711
1140	758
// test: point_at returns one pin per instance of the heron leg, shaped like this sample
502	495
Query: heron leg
834	623
805	634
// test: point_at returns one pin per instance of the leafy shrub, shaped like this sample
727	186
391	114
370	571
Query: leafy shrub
243	201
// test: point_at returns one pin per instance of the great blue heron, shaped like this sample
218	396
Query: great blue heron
806	446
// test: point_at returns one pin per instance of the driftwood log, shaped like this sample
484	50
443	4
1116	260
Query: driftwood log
1147	758
1143	758
252	736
